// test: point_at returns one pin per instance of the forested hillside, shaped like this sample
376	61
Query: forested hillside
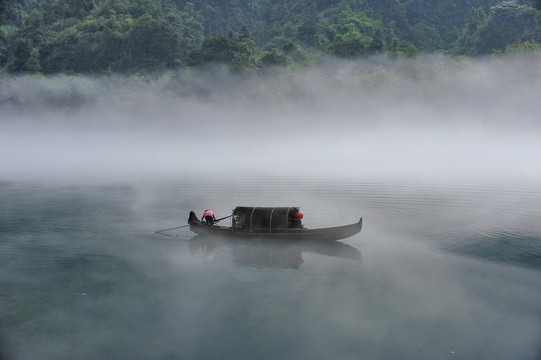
127	36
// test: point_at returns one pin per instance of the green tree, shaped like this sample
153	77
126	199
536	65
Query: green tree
139	8
19	55
29	37
395	47
239	55
308	30
507	23
377	45
295	53
426	36
273	58
152	44
94	36
348	20
4	6
474	22
188	22
77	8
3	56
67	53
410	51
33	65
246	56
350	44
525	48
244	35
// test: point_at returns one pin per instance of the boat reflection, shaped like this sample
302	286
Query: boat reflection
286	254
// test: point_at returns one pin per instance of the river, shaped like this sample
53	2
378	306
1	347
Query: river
439	271
439	156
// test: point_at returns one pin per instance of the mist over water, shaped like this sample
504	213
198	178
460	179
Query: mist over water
356	119
440	157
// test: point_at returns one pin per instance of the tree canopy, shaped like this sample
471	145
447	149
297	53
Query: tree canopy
127	36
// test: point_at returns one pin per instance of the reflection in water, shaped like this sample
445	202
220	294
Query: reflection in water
286	254
80	274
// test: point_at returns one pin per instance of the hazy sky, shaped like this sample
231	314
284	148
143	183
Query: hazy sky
372	118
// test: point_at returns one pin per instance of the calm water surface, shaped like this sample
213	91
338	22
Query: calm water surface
439	271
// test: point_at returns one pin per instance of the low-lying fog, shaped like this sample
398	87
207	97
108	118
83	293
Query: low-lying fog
446	271
437	118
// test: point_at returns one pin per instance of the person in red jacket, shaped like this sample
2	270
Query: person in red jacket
208	217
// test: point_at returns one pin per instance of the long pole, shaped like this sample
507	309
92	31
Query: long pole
223	218
183	226
178	227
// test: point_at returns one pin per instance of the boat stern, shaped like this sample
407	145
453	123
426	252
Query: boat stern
192	219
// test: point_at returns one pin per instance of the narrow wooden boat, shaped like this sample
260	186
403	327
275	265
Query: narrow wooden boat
272	222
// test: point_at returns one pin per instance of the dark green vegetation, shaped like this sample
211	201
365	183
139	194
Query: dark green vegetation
128	36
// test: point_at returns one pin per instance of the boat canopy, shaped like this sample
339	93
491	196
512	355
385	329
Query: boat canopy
267	219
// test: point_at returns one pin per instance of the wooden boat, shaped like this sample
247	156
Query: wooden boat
271	222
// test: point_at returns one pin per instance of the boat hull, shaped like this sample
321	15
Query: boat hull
323	234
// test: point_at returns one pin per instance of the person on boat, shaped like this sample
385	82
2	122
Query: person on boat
295	221
208	217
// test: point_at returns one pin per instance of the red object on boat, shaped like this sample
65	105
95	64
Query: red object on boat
299	215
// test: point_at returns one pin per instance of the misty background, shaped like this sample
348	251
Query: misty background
436	117
116	121
440	156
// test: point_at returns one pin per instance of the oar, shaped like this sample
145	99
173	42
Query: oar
178	227
183	226
223	218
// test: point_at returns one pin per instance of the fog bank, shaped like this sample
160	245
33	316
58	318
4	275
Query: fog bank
433	118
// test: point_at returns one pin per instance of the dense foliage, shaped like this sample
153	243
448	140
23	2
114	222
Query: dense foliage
103	36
